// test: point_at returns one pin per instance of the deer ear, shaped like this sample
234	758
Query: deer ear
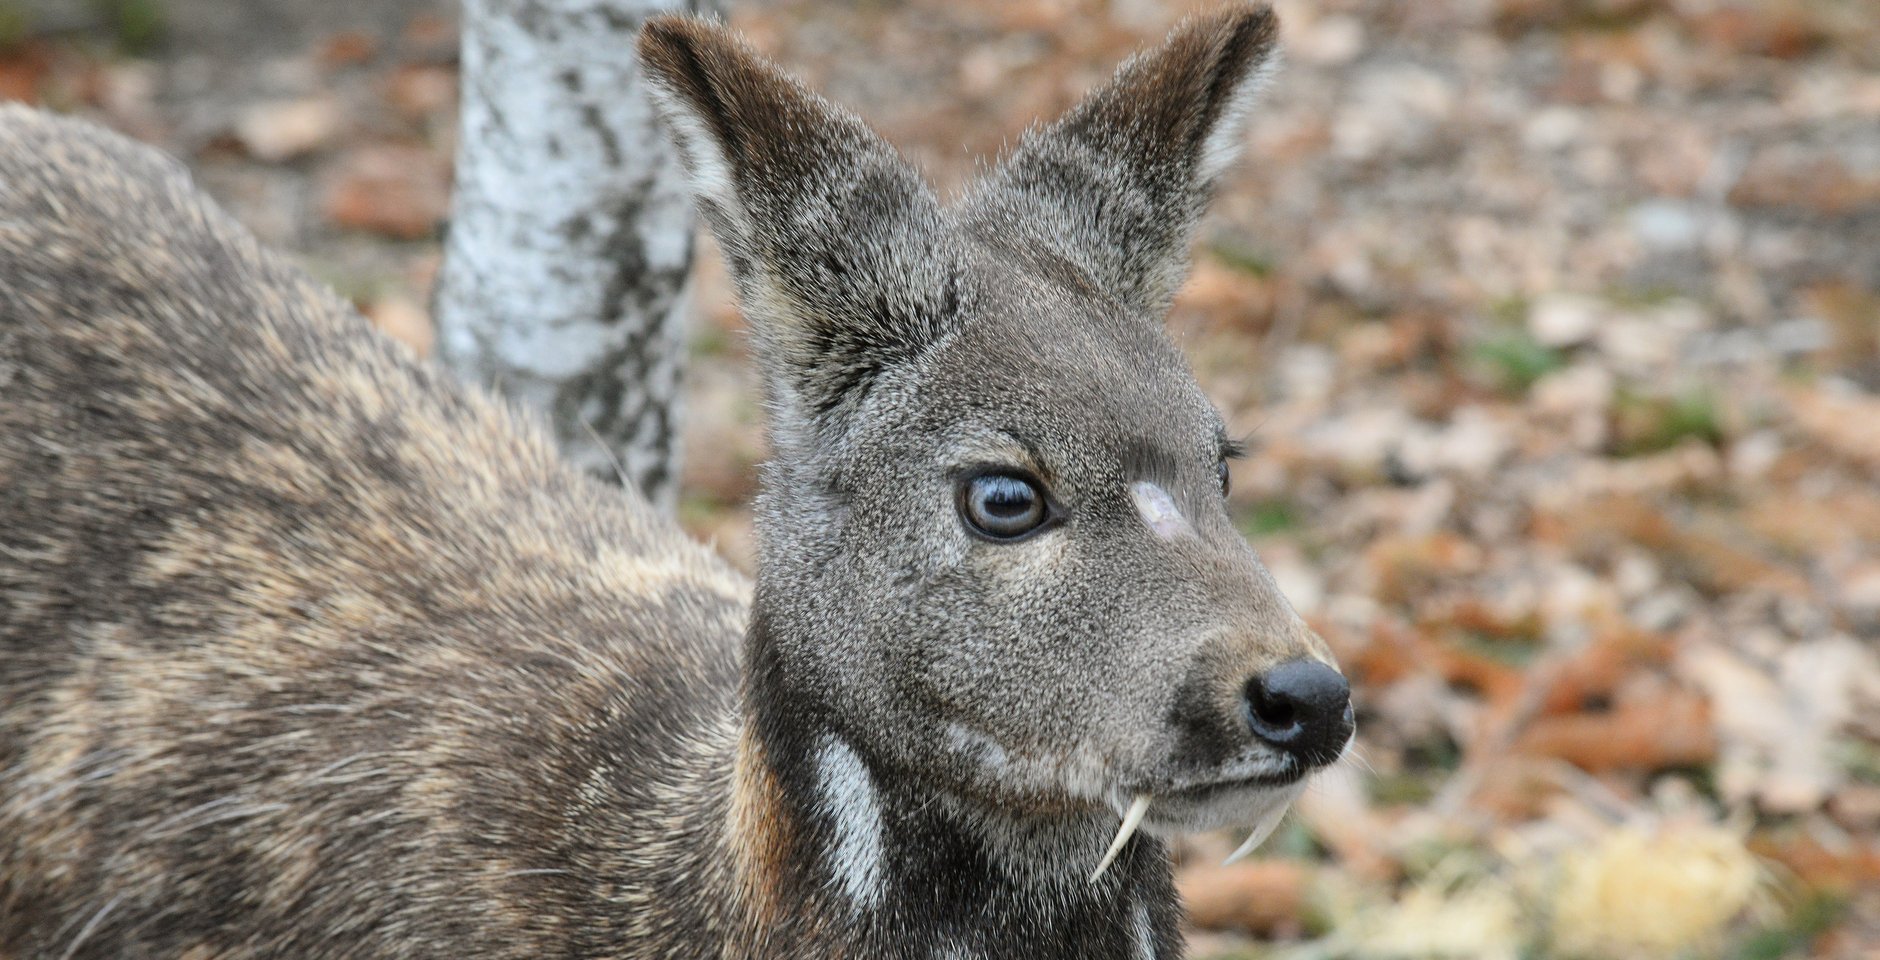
1116	186
835	242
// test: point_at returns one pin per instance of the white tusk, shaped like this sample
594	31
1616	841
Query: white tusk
1261	831
1131	821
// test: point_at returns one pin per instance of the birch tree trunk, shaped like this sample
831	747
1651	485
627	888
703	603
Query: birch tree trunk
565	270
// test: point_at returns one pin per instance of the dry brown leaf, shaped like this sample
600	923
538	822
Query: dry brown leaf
348	48
22	71
1410	567
1820	185
1849	865
1670	731
403	320
1595	672
1778	720
392	189
1847	424
283	130
1265	897
421	90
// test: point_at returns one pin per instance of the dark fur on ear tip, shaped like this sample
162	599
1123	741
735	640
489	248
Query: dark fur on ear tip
835	242
759	117
1115	187
1246	36
691	59
1248	29
675	45
1175	95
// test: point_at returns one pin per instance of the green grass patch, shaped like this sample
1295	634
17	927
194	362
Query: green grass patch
1405	788
699	511
1243	258
1641	297
1646	424
1434	753
710	341
1513	360
361	286
1515	650
1295	841
16	24
136	25
1240	953
1794	934
1268	518
1860	759
1509	312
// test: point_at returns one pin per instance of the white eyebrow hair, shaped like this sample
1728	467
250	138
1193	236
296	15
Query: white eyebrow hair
993	447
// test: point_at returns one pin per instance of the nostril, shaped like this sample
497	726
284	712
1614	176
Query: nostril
1302	706
1275	716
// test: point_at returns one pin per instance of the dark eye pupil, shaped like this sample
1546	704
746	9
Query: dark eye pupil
1003	506
1006	497
1226	476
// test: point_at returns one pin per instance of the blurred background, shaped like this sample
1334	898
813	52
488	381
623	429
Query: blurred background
1554	326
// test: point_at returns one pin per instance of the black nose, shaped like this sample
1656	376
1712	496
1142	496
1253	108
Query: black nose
1302	707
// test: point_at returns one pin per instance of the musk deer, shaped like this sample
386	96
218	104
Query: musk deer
308	652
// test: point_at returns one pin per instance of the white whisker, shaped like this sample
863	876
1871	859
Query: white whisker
1355	755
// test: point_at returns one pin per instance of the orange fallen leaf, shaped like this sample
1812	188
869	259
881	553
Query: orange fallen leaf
418	90
23	71
1498	682
1668	731
402	319
348	48
1596	671
1266	897
395	190
1847	867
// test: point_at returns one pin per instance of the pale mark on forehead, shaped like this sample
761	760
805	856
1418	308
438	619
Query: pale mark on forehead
1159	511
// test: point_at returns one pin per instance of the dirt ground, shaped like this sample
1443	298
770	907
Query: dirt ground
1554	327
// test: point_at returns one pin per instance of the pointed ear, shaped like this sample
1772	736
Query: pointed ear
835	242
1116	186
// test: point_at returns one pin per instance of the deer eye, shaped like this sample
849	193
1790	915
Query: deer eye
1003	506
1224	475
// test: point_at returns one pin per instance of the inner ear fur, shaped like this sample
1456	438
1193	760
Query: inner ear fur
836	243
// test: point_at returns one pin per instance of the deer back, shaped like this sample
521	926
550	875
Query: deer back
304	650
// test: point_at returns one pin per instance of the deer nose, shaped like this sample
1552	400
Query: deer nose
1302	707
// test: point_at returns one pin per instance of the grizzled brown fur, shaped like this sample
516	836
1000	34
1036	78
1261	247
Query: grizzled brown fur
306	651
303	650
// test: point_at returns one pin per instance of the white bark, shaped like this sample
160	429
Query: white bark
564	277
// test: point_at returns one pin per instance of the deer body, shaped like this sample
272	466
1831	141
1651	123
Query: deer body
306	651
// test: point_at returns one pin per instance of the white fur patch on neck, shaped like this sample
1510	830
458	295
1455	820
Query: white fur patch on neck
848	797
1145	933
1159	511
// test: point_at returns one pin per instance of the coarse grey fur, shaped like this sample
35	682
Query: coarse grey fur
306	651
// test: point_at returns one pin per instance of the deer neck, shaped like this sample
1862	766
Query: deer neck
834	855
